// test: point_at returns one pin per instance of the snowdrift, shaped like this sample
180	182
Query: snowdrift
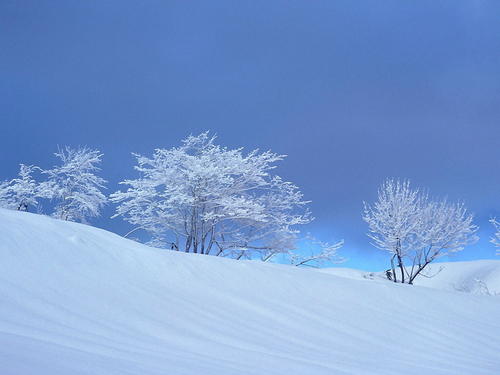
476	277
79	300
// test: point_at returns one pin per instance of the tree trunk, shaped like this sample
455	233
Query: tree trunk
401	267
394	276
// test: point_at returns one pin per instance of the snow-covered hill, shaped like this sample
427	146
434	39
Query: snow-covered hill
79	300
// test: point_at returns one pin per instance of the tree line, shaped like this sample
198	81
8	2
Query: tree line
203	198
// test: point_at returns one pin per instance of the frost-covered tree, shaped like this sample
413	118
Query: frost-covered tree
74	185
393	221
204	198
495	240
4	194
21	193
415	230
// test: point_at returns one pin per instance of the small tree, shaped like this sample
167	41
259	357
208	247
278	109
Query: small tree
415	230
74	184
393	221
20	193
204	198
4	194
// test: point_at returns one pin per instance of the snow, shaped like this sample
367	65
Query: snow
465	276
477	277
79	300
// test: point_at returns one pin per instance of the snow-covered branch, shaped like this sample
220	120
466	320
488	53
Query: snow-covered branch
495	240
320	253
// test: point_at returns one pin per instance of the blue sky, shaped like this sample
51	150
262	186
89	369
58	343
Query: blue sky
353	92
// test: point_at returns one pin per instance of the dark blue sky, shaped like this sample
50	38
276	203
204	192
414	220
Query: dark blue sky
352	91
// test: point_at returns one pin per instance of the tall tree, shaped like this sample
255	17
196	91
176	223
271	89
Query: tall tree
204	198
74	185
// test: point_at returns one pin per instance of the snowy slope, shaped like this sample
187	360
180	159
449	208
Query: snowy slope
477	277
79	300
